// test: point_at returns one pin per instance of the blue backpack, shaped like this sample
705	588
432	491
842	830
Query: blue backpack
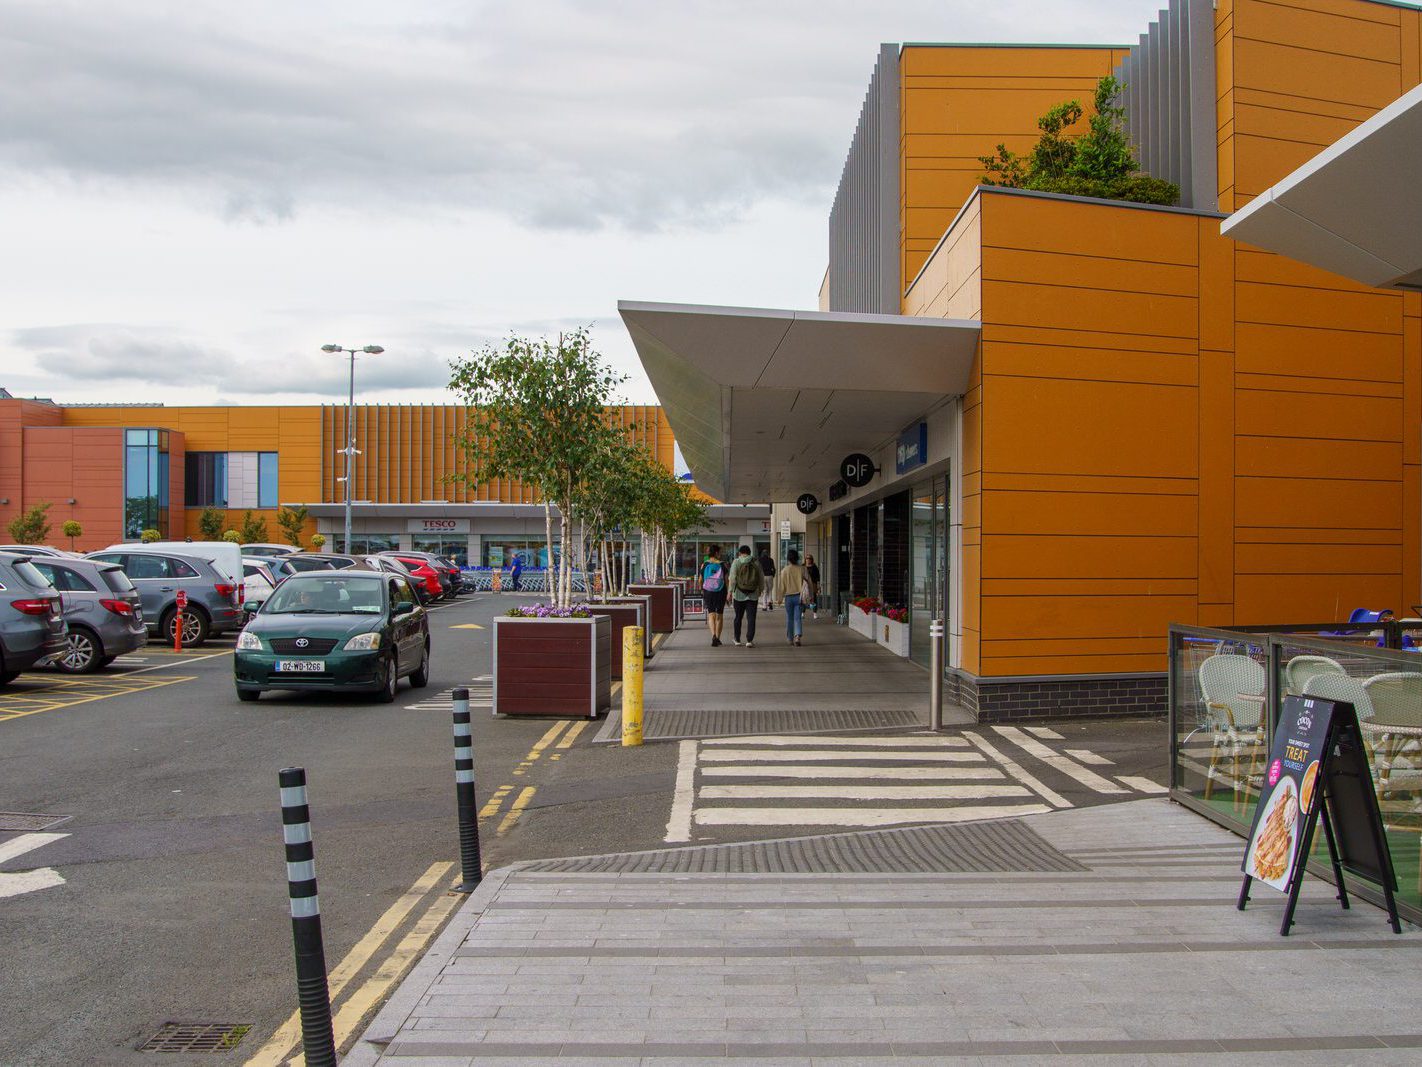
713	577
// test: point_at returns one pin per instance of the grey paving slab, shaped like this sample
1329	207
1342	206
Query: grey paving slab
666	968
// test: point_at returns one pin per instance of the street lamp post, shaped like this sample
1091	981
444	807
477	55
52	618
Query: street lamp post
350	450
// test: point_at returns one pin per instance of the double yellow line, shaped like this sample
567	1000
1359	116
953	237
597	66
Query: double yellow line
281	1047
558	737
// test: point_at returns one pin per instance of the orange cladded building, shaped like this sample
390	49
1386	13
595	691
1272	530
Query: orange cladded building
1083	420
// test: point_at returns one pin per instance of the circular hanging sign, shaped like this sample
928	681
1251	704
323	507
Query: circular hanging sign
857	470
807	503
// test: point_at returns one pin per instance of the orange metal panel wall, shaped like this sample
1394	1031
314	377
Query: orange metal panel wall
960	102
1293	76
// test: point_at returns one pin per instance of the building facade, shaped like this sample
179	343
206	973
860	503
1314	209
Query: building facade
119	469
1131	420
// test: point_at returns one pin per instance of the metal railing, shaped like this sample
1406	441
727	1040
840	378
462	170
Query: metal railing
1226	688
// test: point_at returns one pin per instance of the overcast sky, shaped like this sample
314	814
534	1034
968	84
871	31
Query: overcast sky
196	196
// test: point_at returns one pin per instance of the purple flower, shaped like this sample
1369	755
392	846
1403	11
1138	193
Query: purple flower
547	611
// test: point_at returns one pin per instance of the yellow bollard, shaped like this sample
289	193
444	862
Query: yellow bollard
632	638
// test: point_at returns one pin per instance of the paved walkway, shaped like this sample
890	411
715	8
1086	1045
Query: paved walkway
1055	938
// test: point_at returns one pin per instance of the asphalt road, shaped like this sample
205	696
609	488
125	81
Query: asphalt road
173	902
173	906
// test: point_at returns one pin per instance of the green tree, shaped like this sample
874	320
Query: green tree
253	529
537	414
31	527
293	523
318	541
72	530
1098	162
150	535
232	536
210	524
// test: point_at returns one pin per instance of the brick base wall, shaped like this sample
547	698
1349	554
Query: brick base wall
1007	699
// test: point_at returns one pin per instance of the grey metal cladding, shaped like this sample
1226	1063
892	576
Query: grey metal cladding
864	263
1170	100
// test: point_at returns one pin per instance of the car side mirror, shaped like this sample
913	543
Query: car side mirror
251	607
404	607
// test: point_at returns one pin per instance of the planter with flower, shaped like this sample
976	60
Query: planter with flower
554	661
891	630
862	613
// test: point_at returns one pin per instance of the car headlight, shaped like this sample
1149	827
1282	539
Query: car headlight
363	642
247	641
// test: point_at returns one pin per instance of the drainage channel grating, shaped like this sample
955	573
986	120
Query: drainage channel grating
196	1037
997	846
28	822
685	723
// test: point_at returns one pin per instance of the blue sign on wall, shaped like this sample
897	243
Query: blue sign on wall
912	450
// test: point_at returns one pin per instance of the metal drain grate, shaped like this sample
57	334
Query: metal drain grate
1000	845
28	822
196	1037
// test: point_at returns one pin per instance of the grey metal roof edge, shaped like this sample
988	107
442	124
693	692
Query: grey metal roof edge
797	315
1101	201
1008	44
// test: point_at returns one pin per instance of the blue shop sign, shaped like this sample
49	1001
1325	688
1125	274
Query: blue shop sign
912	450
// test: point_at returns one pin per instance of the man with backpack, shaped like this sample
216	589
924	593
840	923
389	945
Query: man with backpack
747	583
713	592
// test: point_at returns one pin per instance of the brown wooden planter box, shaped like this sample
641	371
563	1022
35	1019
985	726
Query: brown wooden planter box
622	616
663	605
643	604
552	667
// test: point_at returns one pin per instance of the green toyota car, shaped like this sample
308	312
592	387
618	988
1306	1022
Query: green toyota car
360	631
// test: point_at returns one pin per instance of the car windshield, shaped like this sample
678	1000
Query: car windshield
336	595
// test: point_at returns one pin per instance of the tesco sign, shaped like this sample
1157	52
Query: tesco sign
439	526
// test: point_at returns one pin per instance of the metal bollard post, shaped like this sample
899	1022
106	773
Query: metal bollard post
180	609
318	1043
632	669
470	861
935	671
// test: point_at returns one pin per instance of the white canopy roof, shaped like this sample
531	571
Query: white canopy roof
765	403
1354	209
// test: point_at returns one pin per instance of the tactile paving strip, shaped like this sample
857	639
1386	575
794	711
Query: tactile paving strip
999	845
686	723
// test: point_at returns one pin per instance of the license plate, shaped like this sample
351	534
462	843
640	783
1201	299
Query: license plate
301	666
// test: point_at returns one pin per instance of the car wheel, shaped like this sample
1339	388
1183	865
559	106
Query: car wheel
249	696
194	627
392	679
421	677
83	656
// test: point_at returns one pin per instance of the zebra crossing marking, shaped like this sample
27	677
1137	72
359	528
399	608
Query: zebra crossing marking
904	773
1045	732
907	741
481	695
1143	785
1064	764
859	816
862	792
820	755
1051	796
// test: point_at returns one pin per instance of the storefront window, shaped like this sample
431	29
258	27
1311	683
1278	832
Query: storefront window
267	494
455	548
930	549
364	544
205	474
500	552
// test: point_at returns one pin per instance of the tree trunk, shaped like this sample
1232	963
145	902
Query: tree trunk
548	532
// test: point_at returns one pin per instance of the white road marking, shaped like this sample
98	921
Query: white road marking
907	741
1144	785
21	882
1085	755
179	659
1049	795
861	792
907	773
1066	766
802	756
1045	732
859	816
679	823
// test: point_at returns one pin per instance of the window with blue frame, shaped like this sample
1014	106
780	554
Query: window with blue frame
145	481
205	475
267	494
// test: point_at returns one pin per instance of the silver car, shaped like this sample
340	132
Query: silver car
214	604
102	608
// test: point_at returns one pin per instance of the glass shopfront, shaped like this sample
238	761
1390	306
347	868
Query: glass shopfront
454	547
929	564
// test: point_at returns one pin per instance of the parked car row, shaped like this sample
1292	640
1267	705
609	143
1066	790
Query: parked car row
81	612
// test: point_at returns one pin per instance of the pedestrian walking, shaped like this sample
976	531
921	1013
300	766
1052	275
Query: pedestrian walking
747	584
812	570
516	572
767	568
791	588
713	592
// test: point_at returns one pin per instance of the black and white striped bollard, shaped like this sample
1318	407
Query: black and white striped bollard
469	859
318	1042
